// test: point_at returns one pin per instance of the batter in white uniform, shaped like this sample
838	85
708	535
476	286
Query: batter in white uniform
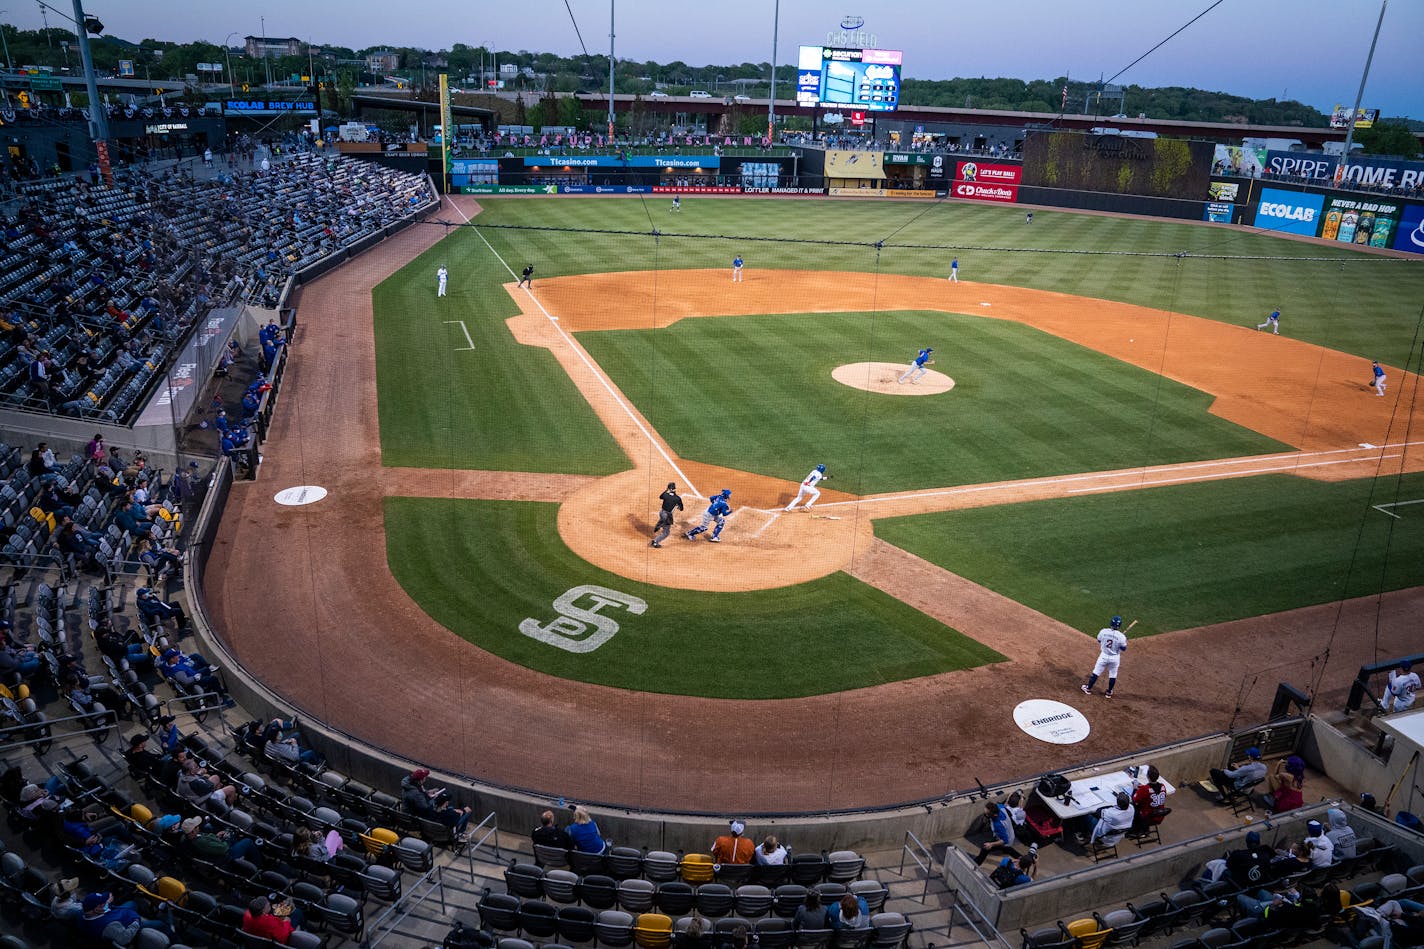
1111	645
808	488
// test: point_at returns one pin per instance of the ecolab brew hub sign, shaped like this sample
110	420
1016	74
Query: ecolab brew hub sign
980	181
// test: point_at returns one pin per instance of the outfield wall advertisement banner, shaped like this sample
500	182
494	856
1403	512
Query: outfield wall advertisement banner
605	189
848	164
1410	235
1355	221
878	193
1238	161
613	161
1117	164
696	189
1217	212
1289	211
981	181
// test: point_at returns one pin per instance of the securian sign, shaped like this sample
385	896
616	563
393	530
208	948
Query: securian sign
571	630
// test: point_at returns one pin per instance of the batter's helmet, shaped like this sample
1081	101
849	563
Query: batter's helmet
726	492
1116	622
672	485
821	469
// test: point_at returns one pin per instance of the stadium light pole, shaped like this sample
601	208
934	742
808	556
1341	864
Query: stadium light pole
771	99
611	61
98	122
1359	96
227	51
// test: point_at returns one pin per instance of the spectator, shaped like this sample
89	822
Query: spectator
1284	909
1249	867
161	611
64	904
1011	872
1001	826
119	925
770	853
1251	773
732	847
23	662
283	747
1287	863
584	833
195	844
42	461
1284	785
1341	834
1149	801
122	647
192	674
94	450
260	920
550	834
1113	822
811	914
1321	849
851	912
141	759
433	804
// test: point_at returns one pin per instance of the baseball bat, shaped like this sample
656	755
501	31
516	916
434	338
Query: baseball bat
1130	625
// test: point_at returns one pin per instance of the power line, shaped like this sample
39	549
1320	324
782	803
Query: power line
1165	41
574	20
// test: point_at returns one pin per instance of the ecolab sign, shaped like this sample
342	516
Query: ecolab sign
978	181
1289	211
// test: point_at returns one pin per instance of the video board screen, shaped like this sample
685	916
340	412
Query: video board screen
867	79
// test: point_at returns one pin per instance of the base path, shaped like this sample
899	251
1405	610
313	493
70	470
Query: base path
305	599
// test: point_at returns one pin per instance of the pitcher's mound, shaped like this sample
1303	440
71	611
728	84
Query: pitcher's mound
882	377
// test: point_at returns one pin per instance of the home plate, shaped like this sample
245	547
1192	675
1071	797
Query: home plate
305	494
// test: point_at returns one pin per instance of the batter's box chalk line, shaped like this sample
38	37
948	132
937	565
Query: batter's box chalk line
766	518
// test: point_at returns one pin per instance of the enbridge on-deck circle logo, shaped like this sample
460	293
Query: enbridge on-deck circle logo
1051	721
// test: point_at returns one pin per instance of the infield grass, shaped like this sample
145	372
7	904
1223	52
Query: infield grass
1182	556
756	394
481	567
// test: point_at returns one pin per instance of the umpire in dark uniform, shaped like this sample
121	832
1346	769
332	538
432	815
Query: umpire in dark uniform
671	502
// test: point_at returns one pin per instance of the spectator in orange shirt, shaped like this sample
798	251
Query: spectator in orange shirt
733	847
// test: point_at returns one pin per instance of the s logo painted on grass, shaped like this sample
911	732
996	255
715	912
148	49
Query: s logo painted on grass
570	631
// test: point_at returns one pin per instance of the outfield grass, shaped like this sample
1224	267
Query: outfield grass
501	406
505	406
1182	556
481	567
756	394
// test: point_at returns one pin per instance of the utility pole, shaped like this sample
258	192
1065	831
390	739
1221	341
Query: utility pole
611	61
771	99
98	122
1359	96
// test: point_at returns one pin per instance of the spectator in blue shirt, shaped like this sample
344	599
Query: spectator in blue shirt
1001	825
584	833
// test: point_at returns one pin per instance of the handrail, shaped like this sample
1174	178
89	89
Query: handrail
913	848
51	737
470	848
970	912
433	879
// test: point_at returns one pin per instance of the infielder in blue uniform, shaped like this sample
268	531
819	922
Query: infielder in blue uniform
719	510
1273	322
917	368
1378	379
737	269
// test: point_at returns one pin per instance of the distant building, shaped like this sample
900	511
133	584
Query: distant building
271	47
383	61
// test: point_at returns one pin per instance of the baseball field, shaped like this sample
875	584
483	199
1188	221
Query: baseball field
1107	433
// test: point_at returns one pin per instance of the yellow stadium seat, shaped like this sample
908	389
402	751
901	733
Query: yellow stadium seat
377	840
696	868
1088	934
653	931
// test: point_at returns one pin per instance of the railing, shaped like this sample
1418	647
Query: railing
975	920
49	737
433	882
473	847
920	855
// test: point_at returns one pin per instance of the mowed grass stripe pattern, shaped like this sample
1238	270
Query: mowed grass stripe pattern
481	567
1354	302
1182	556
755	393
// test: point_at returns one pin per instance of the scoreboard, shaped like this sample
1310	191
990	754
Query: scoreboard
867	79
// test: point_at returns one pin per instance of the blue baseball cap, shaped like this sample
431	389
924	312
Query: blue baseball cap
1253	752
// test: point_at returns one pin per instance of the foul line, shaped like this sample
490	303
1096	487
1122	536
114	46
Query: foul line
1381	507
592	367
464	330
1230	474
1291	462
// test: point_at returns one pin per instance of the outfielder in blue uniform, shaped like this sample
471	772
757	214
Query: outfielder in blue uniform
1378	377
719	510
917	368
1273	322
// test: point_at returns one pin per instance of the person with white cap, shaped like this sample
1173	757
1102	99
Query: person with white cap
1322	848
732	847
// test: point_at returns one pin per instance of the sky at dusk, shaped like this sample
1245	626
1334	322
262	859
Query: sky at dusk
1309	50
